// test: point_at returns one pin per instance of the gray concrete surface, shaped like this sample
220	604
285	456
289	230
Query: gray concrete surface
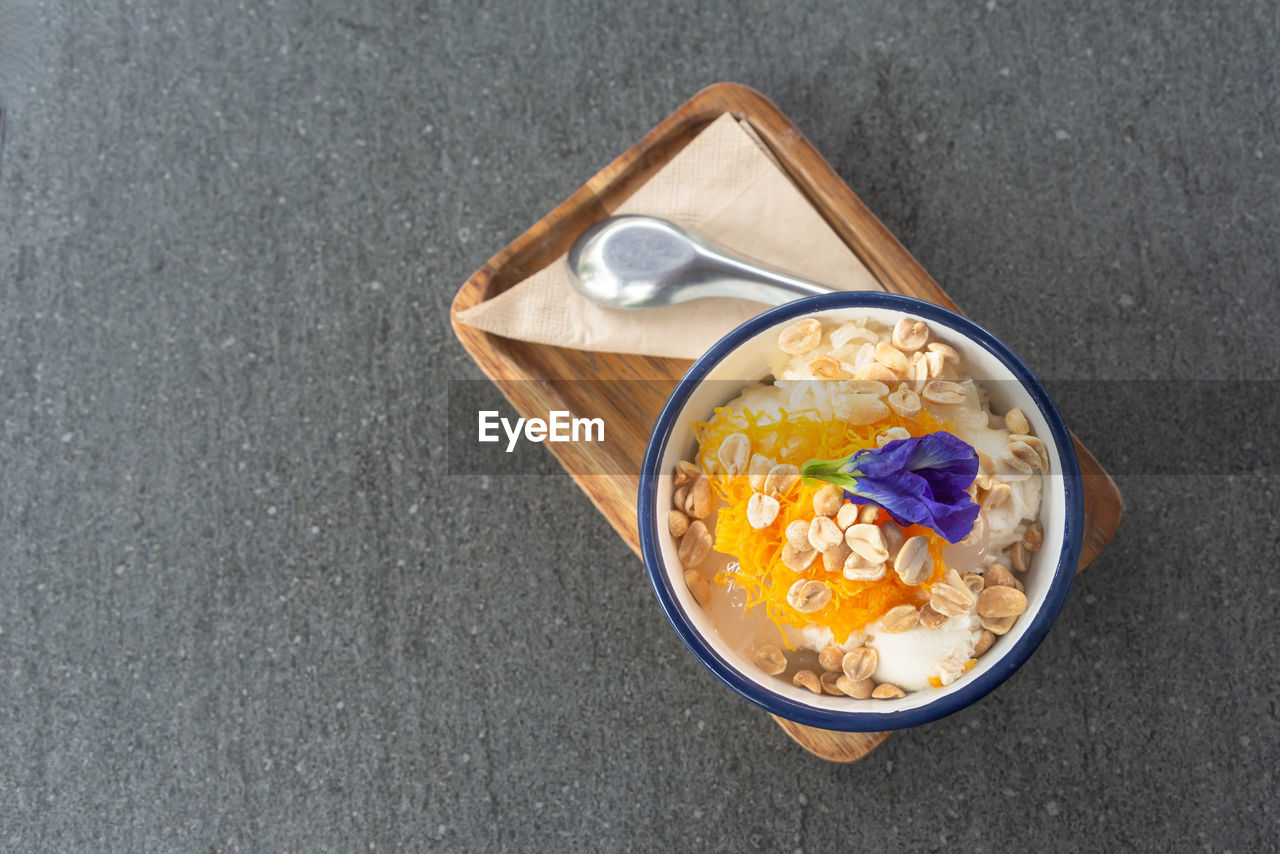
247	609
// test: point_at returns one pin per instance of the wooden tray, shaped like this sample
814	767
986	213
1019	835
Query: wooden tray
608	473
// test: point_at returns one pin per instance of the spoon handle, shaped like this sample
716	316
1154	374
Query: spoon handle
732	277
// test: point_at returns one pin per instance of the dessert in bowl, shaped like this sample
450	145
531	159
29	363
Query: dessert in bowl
860	511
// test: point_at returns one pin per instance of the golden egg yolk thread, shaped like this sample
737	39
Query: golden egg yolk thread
796	437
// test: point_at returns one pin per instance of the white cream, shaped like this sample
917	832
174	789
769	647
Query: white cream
816	638
909	658
1007	522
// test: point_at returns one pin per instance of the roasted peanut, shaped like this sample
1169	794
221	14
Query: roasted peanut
830	657
936	364
698	586
770	659
1020	557
998	625
913	564
1036	445
807	679
823	533
910	334
800	337
997	495
867	541
951	596
827	368
1001	601
859	690
734	453
761	510
893	434
757	470
698	502
827	500
797	559
905	402
798	535
1016	422
998	575
860	663
930	618
808	596
919	371
833	559
857	568
893	538
695	545
985	640
892	358
899	619
946	351
780	479
1021	457
1033	537
686	472
943	392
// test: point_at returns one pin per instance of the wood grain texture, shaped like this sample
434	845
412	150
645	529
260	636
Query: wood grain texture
545	376
832	746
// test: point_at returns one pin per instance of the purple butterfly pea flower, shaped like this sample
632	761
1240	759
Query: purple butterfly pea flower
920	481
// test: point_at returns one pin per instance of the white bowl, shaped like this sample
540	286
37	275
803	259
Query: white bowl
740	359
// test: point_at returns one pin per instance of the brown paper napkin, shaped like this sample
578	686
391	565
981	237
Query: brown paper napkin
724	186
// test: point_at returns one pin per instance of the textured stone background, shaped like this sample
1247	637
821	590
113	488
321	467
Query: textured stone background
246	607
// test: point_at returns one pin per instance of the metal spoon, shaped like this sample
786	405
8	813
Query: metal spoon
637	261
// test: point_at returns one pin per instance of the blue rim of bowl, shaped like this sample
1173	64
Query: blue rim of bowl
859	721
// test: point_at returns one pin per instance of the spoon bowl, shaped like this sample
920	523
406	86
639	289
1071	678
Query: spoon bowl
636	261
